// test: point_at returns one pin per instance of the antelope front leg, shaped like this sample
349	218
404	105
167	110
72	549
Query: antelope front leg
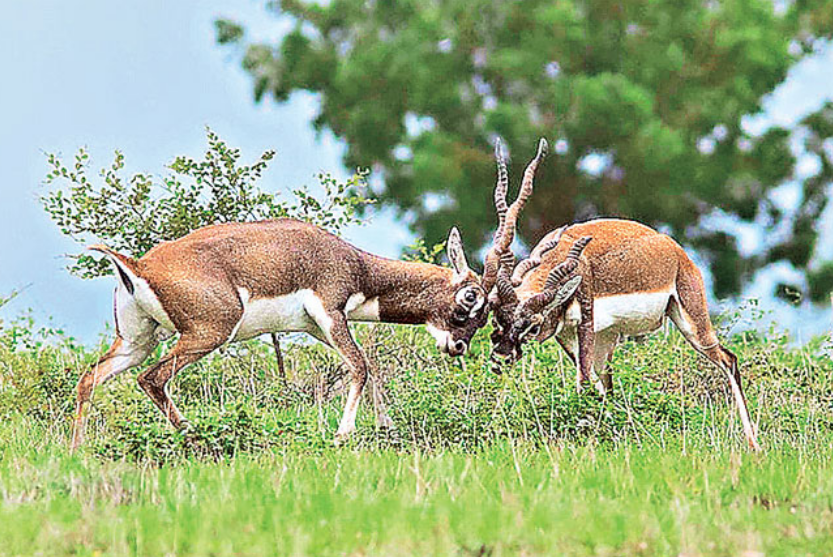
605	344
338	334
586	340
382	417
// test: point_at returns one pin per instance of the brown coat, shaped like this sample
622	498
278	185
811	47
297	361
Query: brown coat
230	282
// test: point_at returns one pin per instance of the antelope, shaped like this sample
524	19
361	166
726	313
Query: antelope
230	282
589	285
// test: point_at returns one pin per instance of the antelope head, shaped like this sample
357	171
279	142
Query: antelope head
500	260
455	319
538	316
514	321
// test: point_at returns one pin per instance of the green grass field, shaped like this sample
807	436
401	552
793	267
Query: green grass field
477	465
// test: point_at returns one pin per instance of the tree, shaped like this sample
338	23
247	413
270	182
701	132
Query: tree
644	101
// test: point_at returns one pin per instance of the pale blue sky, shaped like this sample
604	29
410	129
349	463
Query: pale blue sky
146	77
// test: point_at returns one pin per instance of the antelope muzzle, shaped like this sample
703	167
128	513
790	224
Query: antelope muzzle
502	358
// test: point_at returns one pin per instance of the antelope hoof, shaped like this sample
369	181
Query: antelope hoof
343	435
385	422
77	441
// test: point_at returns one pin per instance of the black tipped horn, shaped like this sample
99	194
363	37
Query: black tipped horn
508	216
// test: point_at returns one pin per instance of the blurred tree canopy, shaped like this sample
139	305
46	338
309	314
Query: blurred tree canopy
643	100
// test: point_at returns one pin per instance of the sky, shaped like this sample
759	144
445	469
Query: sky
146	78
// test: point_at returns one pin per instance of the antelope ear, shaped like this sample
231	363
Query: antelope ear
566	291
456	255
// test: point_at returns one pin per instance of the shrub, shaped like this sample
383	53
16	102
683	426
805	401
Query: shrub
134	214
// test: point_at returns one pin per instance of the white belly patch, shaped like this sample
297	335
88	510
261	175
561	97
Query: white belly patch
281	313
301	311
630	314
359	308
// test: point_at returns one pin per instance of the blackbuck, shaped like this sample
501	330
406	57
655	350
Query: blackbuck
589	285
232	282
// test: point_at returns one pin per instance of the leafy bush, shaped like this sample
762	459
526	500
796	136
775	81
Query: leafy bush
420	251
134	214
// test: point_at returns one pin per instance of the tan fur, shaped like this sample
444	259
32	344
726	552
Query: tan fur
275	258
626	258
201	285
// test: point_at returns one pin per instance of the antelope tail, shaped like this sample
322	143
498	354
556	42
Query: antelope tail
125	266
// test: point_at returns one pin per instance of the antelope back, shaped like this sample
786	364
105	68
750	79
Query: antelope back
624	257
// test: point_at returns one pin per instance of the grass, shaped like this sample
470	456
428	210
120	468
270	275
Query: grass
478	464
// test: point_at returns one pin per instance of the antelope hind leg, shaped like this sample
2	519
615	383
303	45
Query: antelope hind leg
698	331
121	356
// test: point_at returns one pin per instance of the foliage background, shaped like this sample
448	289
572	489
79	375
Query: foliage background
133	214
657	469
645	102
147	78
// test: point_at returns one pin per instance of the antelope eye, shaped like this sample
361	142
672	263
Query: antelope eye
470	296
535	330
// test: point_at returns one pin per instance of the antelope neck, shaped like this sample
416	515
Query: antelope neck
407	291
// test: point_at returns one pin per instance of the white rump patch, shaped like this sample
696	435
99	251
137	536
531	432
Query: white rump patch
135	326
142	304
150	303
